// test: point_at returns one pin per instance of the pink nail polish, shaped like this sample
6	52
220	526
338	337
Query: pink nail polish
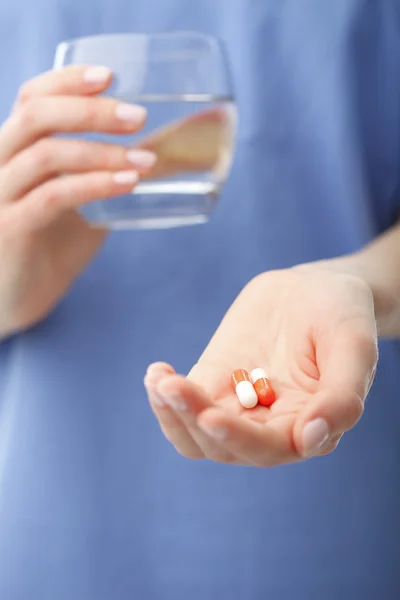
131	112
156	400
126	177
177	402
315	436
142	158
155	373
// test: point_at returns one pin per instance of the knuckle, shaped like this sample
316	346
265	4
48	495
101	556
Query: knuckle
25	115
80	153
24	92
42	154
49	196
89	114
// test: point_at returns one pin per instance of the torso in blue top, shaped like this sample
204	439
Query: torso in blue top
94	504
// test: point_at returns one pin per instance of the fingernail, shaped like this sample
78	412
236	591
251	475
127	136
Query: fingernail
151	378
97	74
154	368
176	401
315	435
126	177
218	433
156	372
131	112
152	394
156	400
142	158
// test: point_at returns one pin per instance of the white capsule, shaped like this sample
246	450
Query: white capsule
257	374
246	394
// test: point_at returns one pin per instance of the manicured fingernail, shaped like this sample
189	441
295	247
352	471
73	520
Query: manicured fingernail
142	158
218	433
156	400
176	401
315	436
157	371
131	112
155	368
152	378
97	74
126	177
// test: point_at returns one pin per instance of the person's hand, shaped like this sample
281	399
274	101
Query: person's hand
44	244
313	330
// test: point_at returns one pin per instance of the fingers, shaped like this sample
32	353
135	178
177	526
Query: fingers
188	400
74	80
189	417
250	442
329	415
174	430
54	156
346	375
47	202
42	116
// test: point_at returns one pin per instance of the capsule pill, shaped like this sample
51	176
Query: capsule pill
263	388
244	388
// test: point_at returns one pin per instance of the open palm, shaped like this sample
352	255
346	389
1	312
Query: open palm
313	330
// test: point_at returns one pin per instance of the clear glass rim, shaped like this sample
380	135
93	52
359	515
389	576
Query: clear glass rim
174	34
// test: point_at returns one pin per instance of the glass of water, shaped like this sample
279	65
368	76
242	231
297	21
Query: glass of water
183	80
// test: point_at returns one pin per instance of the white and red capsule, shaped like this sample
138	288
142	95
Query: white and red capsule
254	388
244	388
262	385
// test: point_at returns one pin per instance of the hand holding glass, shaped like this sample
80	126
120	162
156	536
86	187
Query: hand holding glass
182	79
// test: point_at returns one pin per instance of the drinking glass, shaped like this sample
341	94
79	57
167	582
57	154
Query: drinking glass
183	80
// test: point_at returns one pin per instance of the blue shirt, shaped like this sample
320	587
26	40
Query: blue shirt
94	503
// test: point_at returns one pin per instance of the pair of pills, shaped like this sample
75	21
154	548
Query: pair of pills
253	389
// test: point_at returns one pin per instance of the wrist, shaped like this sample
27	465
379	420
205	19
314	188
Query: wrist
363	266
384	291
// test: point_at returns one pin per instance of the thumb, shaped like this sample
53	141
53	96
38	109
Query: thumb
346	373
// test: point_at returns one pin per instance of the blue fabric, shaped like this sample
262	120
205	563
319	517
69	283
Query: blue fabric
94	504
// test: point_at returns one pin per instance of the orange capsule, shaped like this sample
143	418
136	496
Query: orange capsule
244	388
262	385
